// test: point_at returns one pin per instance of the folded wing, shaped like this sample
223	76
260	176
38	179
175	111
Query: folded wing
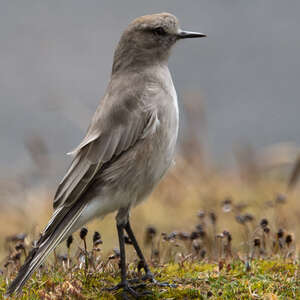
109	134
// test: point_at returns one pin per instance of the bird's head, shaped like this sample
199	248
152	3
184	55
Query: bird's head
149	38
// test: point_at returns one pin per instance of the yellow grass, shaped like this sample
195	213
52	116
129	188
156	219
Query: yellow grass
186	189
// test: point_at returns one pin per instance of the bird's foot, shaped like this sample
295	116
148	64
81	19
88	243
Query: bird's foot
150	277
130	289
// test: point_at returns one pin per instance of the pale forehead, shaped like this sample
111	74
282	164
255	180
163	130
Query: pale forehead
165	20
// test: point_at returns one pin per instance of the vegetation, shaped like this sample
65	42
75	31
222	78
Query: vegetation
272	279
216	235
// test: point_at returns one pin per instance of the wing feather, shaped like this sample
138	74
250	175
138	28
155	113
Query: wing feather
90	156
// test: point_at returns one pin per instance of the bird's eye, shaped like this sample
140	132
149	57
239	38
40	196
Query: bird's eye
159	31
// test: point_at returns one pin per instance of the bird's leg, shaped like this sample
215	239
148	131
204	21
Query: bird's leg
120	228
139	252
148	275
124	284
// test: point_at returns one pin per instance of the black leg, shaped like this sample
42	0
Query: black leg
120	228
124	282
148	275
138	250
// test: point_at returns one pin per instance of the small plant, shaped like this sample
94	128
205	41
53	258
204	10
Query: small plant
83	233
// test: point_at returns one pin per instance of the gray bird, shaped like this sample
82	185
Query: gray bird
128	146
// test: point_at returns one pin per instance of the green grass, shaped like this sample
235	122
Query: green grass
266	279
274	272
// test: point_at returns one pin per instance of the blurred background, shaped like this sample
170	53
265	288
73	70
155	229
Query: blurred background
238	92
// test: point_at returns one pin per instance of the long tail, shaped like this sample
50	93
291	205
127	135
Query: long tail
57	229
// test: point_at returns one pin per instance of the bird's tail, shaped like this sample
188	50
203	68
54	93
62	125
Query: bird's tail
58	228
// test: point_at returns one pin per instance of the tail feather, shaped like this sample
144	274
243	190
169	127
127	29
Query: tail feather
57	229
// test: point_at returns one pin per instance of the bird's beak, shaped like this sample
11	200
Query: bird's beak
189	34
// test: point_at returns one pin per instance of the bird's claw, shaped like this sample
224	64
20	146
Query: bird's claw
129	289
150	277
163	284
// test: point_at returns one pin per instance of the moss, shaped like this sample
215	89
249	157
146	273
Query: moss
266	279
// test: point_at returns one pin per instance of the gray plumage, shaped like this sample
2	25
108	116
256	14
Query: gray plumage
129	144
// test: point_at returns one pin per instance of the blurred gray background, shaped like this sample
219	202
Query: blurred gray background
56	56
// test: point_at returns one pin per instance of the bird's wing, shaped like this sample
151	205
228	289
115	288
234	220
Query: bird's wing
114	129
110	134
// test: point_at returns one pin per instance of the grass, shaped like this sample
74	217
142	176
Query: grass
273	279
208	238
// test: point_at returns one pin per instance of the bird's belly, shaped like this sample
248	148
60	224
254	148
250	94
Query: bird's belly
159	155
133	176
152	159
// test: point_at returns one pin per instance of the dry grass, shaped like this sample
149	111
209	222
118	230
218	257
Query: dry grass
225	199
175	203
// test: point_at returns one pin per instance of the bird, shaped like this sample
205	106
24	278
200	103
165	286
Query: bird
128	147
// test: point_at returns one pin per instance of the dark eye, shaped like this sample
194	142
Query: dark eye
159	31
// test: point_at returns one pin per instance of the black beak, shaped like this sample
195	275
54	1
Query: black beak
189	34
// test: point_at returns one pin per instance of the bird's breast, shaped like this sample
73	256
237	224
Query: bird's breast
137	171
161	144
